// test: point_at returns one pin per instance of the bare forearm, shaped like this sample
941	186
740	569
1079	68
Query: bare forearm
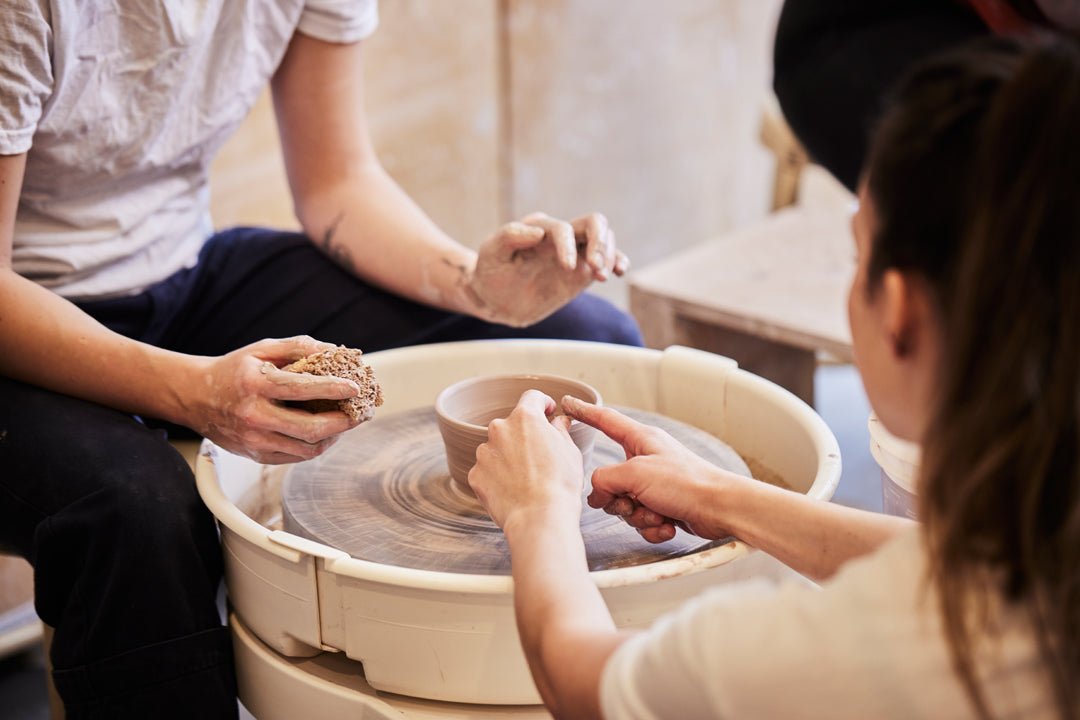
662	479
566	630
813	537
345	201
370	227
47	341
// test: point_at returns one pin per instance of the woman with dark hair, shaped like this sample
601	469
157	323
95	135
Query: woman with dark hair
834	59
964	321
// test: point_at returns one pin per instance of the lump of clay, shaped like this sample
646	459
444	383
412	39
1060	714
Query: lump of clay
345	363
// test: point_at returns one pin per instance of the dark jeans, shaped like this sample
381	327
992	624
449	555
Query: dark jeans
126	557
834	60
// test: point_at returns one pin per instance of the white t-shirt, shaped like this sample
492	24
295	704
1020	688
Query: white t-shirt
121	107
868	644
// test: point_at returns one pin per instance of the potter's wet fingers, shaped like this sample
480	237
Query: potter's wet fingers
621	506
659	533
281	450
599	243
611	422
285	350
267	439
642	517
561	235
533	400
561	423
520	235
286	385
304	425
598	498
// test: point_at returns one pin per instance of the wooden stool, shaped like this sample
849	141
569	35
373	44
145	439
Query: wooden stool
771	296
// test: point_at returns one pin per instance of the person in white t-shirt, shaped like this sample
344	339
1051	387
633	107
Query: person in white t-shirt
964	315
123	313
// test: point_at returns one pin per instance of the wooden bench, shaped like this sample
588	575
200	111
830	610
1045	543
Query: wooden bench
772	296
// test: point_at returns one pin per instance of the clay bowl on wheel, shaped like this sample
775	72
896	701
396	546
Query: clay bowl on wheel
465	408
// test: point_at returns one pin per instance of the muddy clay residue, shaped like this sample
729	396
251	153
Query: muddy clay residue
764	474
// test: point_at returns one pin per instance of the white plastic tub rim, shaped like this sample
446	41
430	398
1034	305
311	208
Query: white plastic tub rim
286	545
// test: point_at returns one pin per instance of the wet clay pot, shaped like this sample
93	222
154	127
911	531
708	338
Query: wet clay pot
465	408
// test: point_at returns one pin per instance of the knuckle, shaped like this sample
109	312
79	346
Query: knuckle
307	451
308	434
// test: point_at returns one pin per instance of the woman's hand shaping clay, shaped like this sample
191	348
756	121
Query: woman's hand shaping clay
529	463
661	485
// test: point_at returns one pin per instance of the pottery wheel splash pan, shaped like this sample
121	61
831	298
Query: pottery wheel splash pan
383	493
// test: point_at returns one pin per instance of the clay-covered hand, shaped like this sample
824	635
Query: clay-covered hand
240	403
660	485
531	268
529	464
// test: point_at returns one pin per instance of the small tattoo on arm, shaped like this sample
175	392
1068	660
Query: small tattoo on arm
463	271
333	250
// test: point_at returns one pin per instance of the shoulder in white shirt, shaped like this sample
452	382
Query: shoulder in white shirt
868	644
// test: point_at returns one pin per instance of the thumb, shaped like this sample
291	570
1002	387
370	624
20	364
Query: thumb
287	350
562	424
611	482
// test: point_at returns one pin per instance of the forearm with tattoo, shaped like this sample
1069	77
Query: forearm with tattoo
336	251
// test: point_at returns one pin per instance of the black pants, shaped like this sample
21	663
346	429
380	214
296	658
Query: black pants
835	59
126	557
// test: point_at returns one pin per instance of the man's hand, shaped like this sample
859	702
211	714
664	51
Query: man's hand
530	269
240	405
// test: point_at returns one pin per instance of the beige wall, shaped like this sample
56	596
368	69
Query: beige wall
485	110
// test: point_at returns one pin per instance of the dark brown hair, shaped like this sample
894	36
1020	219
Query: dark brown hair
975	176
1030	11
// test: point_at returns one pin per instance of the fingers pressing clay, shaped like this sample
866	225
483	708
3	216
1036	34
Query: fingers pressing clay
345	363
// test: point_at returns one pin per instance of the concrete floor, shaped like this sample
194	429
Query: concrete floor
840	401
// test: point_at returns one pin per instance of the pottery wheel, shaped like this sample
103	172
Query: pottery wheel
383	493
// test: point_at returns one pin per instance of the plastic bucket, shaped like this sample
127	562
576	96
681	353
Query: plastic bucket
899	461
